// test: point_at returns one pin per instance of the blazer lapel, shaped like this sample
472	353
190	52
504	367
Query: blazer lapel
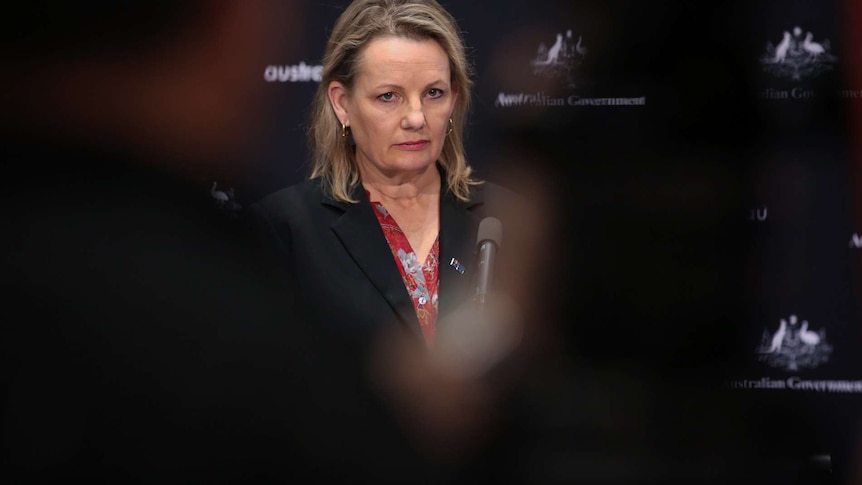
458	226
360	234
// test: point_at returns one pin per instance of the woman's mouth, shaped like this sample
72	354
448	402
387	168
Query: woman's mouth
413	145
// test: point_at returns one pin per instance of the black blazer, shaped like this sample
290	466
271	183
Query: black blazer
344	267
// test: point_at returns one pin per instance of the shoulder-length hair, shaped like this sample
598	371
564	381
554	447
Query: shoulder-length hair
363	21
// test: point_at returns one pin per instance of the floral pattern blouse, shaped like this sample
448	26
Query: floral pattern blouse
421	280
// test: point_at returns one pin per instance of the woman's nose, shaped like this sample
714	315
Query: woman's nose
414	118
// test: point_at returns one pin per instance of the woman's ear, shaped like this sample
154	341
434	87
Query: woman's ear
338	99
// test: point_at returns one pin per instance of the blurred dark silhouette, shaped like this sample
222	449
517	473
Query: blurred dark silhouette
143	339
650	301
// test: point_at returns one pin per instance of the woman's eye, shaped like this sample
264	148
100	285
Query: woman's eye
387	96
435	93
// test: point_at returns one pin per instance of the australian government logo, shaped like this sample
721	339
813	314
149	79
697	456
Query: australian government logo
798	55
794	345
563	61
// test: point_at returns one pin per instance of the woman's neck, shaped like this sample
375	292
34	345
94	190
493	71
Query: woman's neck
402	188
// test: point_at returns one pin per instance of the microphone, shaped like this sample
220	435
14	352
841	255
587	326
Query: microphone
475	340
488	240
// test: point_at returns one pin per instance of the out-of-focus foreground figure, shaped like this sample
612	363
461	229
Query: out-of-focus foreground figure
142	339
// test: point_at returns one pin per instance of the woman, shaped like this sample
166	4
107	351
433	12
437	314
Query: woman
384	231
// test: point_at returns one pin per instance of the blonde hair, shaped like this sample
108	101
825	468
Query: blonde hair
359	24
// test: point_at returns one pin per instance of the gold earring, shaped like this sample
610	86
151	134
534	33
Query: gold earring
343	130
450	126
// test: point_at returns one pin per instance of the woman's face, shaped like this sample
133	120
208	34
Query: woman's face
400	105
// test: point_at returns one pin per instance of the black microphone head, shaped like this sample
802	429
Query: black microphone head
490	229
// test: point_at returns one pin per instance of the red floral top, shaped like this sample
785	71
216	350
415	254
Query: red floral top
421	280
